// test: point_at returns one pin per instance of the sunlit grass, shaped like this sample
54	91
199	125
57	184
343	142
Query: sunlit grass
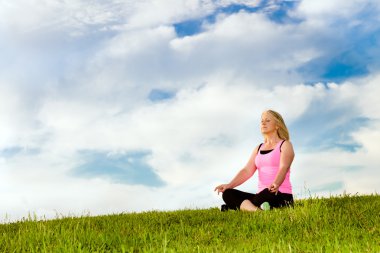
336	224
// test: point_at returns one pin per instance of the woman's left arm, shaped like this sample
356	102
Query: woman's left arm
286	159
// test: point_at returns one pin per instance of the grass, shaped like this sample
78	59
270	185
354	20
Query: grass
335	224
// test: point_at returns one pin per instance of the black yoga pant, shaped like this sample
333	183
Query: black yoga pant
233	198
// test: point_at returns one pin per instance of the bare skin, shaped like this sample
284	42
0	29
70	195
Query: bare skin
268	128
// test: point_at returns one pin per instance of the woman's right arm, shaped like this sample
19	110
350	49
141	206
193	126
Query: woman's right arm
243	175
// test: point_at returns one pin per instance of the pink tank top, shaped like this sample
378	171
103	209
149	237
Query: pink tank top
268	166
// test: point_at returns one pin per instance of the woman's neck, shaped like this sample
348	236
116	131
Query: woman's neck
271	139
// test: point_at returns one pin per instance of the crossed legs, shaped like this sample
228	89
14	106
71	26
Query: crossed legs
245	201
236	200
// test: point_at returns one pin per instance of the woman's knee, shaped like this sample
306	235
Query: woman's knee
228	195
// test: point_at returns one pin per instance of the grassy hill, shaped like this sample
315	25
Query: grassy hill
336	224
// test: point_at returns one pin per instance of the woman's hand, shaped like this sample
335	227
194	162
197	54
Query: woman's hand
273	188
222	188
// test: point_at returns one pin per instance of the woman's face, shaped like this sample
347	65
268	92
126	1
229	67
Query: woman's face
268	123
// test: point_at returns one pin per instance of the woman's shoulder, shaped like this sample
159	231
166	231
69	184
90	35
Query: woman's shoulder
257	148
286	145
286	141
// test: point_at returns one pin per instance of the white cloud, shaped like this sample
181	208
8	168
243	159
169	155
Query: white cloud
326	8
334	165
19	126
368	91
348	14
153	12
249	42
250	3
25	18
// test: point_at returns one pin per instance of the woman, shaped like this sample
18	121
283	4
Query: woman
272	159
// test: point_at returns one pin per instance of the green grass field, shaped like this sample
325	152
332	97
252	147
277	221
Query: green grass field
336	224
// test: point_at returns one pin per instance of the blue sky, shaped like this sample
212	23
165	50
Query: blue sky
140	105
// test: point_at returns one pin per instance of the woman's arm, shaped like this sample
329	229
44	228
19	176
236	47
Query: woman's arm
286	159
243	175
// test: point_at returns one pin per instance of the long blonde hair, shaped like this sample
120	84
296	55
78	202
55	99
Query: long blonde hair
282	130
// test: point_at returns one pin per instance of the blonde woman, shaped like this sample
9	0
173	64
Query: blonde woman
272	159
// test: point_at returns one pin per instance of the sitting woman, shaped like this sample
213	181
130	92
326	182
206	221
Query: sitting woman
272	159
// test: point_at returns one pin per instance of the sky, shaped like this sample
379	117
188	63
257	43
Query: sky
131	106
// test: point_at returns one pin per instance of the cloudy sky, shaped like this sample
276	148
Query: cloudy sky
124	106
